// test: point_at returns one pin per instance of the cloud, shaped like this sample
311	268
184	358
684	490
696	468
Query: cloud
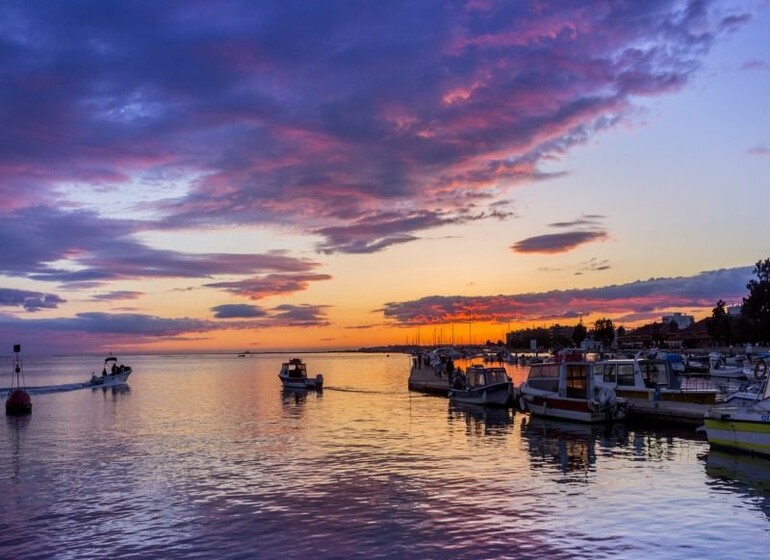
30	301
587	230
299	316
92	250
760	150
646	296
557	242
269	285
315	119
236	311
117	295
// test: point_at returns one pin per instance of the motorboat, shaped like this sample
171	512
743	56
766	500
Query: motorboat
569	391
293	375
741	428
653	389
486	386
113	373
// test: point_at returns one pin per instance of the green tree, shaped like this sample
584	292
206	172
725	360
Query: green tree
579	333
604	332
756	307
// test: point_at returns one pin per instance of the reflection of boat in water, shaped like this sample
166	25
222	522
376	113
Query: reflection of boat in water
570	446
293	375
486	386
742	474
112	373
487	416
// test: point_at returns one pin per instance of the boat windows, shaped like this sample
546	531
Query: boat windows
625	375
577	381
544	377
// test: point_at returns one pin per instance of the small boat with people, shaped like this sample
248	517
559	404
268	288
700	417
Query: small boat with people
479	385
568	390
113	373
293	375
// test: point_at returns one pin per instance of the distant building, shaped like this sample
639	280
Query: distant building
682	321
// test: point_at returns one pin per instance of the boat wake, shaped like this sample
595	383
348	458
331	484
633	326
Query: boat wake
50	389
355	390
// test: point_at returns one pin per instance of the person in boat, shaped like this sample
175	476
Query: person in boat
104	372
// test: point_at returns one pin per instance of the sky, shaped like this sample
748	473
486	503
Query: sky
187	176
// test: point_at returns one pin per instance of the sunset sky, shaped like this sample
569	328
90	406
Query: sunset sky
199	176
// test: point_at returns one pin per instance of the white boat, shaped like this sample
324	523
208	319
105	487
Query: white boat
486	386
293	375
741	428
112	373
653	389
568	390
719	367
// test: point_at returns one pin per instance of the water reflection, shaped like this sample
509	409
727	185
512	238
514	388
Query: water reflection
745	475
481	420
114	391
568	446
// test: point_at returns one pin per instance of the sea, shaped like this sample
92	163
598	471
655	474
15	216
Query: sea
206	456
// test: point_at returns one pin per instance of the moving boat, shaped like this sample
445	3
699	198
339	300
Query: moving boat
112	373
653	389
487	386
741	428
568	390
18	402
293	375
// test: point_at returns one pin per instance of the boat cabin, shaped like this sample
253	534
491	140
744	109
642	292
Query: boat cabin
570	380
649	374
295	368
479	376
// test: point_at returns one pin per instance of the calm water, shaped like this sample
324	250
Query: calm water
207	457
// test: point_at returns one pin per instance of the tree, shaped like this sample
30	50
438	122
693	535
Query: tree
579	333
756	307
719	325
604	332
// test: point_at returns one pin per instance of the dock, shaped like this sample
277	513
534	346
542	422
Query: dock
423	379
668	412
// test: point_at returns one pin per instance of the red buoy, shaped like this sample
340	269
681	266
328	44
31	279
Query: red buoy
18	402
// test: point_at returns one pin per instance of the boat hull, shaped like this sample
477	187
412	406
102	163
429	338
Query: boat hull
491	395
738	430
111	378
302	382
18	403
577	410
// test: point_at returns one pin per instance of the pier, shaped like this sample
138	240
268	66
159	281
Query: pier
423	379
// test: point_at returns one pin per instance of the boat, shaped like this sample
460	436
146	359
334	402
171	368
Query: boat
486	386
654	390
18	401
293	375
739	427
569	391
112	373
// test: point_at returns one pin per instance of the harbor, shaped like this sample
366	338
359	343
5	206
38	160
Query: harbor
210	456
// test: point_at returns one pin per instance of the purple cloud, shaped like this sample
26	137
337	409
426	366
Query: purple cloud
699	291
238	311
269	285
117	295
30	301
557	242
275	113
